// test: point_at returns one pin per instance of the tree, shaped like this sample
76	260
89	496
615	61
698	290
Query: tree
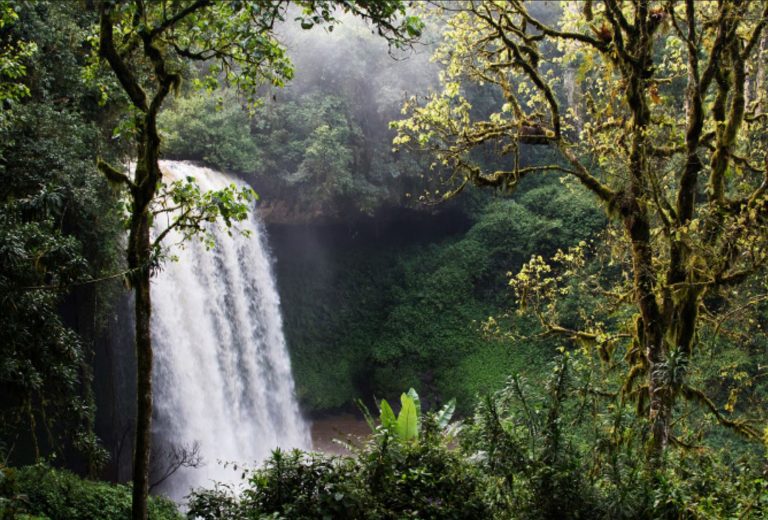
211	129
58	233
12	55
658	109
148	45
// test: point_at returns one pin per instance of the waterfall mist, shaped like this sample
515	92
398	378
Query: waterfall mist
222	374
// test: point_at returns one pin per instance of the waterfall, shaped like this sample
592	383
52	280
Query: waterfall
222	374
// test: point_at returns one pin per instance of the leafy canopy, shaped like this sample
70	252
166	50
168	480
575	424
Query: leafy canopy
659	110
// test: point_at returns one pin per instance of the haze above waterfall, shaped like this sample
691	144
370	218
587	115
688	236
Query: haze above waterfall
223	376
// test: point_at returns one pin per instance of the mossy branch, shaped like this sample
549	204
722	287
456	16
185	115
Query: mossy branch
741	427
108	51
114	175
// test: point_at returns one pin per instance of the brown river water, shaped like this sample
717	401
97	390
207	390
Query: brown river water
347	427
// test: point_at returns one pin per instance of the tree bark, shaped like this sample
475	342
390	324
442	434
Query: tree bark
146	178
637	67
139	260
760	80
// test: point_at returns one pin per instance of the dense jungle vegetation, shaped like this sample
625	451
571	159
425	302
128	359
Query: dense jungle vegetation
527	241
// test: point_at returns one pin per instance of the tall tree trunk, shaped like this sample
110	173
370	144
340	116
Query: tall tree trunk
146	177
638	228
652	330
139	258
143	188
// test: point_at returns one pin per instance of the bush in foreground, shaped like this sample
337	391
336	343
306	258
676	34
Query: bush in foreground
41	492
527	453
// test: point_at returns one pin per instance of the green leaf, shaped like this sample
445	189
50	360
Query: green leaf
413	26
417	403
387	416
366	414
407	421
445	414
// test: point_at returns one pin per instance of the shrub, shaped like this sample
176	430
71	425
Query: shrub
407	469
388	479
55	494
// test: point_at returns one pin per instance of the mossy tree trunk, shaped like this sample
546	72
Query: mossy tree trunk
641	149
143	189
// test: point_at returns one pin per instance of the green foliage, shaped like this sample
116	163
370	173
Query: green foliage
41	358
331	316
519	439
420	480
307	147
407	425
410	314
693	486
527	453
290	485
390	477
387	417
321	144
486	367
211	129
530	451
406	428
326	163
557	453
443	415
447	289
13	54
662	160
54	494
58	230
184	208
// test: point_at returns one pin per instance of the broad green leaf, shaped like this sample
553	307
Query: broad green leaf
387	416
445	414
407	424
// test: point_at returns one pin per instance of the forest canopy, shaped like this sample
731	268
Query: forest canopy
648	108
523	243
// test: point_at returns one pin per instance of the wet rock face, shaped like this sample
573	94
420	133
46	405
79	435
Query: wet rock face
276	211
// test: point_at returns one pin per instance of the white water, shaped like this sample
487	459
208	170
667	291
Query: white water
222	374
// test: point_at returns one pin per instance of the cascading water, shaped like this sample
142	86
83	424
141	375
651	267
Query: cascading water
222	374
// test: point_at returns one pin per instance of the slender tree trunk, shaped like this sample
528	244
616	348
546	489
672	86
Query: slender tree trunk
652	329
139	260
143	188
146	177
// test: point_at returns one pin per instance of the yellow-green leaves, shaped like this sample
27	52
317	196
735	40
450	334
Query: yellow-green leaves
407	424
12	59
407	421
387	416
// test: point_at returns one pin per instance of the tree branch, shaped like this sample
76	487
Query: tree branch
107	51
741	427
755	37
114	175
549	31
582	174
173	20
